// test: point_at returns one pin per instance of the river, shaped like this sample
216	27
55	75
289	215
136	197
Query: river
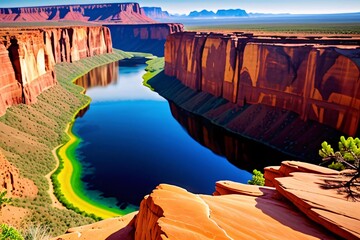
131	142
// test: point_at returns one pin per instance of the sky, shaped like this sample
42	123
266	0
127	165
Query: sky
186	6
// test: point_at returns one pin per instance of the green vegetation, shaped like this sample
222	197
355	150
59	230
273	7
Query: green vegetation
154	67
257	178
347	157
29	133
309	28
4	200
9	233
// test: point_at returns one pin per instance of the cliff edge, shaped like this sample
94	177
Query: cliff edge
29	55
318	79
238	211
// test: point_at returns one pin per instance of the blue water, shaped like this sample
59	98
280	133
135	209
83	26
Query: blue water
131	143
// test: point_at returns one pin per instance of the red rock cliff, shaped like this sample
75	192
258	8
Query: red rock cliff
29	55
311	77
110	12
143	37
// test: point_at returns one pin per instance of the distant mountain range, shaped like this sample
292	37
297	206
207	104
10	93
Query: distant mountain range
157	13
220	13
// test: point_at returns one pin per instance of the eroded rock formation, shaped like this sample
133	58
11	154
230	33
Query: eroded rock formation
238	211
13	183
143	37
29	55
110	12
310	77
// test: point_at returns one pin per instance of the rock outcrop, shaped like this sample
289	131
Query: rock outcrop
29	55
155	12
238	211
310	77
109	12
10	89
143	37
13	183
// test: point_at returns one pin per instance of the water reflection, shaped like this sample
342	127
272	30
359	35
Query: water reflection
100	76
112	86
243	153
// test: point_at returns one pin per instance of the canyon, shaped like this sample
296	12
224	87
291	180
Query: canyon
29	55
149	38
238	211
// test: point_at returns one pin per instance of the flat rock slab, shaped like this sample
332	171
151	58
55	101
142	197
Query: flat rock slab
328	207
170	212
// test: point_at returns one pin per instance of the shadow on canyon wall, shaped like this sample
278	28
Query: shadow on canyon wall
243	153
251	136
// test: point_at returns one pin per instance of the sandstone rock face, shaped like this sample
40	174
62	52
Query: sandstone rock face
305	76
111	12
29	55
13	183
277	128
143	37
10	89
298	208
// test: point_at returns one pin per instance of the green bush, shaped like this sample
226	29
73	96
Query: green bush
336	166
257	178
3	199
9	233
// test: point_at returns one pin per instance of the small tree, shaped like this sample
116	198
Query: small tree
257	178
348	156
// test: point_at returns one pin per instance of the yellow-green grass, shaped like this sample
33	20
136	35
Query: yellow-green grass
71	186
154	67
29	133
67	180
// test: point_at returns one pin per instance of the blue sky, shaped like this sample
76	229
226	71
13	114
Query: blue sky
185	6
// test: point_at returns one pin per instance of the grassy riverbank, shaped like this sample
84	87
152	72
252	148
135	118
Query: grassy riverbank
29	133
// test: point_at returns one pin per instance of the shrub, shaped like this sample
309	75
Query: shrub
9	233
257	178
347	157
4	200
37	232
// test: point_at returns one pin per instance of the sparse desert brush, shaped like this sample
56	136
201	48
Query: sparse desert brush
36	232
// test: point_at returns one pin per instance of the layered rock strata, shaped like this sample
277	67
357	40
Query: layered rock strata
238	211
143	37
29	56
110	12
307	76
